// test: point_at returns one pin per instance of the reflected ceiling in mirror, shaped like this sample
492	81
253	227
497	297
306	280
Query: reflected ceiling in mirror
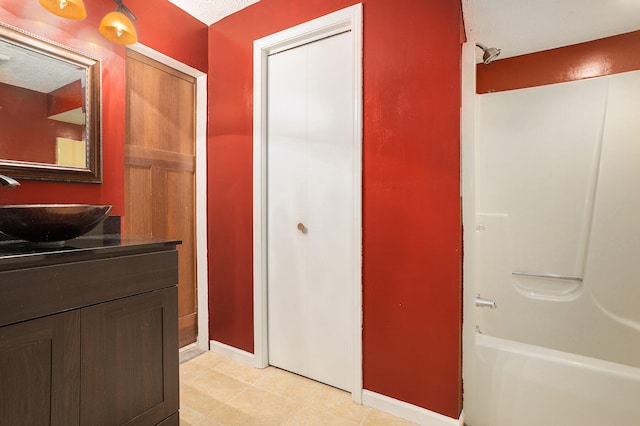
49	110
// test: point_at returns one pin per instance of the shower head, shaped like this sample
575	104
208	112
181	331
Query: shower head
490	53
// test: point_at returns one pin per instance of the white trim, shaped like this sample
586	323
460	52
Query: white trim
407	411
202	266
349	18
166	60
201	184
259	210
235	354
467	179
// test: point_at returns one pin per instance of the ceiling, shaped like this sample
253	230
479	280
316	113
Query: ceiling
210	11
48	74
525	26
515	26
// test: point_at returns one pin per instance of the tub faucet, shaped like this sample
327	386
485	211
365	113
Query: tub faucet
8	182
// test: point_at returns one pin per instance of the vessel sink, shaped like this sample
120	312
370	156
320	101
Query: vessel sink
50	223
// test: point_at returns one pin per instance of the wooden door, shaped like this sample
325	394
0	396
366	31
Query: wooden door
310	226
160	169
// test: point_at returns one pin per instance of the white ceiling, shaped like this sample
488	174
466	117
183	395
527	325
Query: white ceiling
210	11
515	26
47	75
525	26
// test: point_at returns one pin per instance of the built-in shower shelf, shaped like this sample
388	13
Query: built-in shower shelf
551	276
547	286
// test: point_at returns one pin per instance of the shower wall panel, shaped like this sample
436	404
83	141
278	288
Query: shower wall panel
538	161
557	207
612	271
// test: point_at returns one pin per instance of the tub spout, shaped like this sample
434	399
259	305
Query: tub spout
8	182
481	302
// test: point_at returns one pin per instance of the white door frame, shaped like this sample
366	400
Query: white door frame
202	285
346	19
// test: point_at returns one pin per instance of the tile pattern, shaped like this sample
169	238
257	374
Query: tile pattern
215	390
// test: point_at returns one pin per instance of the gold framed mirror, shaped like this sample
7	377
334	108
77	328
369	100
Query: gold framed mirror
50	110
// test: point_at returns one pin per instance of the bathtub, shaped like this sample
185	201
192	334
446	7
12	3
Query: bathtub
517	384
554	352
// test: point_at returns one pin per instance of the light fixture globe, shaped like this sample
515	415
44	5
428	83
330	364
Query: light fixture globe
115	26
69	9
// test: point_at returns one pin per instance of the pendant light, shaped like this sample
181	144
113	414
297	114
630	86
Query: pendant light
70	9
116	27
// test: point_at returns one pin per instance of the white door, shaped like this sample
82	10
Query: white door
310	186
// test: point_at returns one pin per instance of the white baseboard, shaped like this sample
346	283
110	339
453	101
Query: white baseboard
233	353
407	411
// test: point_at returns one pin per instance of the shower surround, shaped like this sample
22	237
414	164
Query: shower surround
555	244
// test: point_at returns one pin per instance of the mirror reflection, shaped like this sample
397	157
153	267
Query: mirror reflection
49	110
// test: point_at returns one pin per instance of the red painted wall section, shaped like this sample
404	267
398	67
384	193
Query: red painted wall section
411	235
596	58
84	36
26	135
411	199
66	98
164	27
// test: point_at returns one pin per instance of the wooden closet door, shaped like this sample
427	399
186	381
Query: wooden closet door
160	169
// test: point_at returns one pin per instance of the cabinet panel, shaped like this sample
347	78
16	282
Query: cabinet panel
40	371
130	359
55	288
171	421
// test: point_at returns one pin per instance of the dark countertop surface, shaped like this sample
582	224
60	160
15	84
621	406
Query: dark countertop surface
18	254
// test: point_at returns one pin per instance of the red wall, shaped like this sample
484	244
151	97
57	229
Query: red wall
596	58
163	26
66	98
27	134
411	204
186	40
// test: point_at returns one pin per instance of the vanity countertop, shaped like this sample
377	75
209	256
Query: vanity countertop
18	254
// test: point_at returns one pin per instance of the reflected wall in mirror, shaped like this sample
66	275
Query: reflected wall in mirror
49	110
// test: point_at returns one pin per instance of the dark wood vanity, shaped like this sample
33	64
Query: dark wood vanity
88	333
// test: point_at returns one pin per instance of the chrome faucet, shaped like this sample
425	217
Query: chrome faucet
8	182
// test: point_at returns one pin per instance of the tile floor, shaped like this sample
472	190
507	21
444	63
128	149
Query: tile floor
215	390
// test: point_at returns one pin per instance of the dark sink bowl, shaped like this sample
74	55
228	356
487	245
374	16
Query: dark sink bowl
50	223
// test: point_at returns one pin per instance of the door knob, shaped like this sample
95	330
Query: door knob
301	227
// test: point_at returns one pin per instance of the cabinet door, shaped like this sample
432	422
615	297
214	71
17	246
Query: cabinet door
40	371
129	351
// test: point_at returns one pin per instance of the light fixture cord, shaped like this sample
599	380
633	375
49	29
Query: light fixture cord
123	8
